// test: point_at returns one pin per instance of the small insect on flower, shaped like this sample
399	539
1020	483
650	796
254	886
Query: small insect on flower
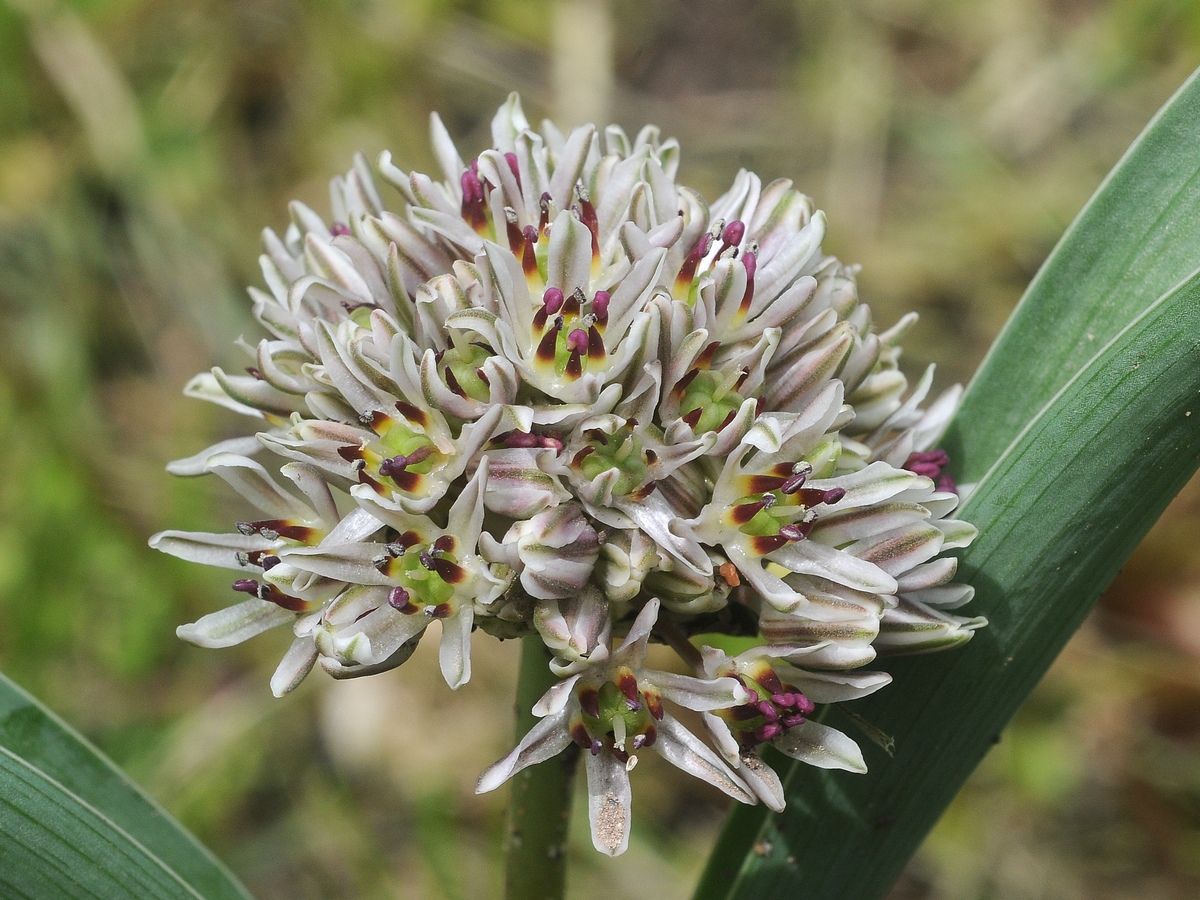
552	391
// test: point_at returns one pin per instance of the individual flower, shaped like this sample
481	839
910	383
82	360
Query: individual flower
613	709
552	392
781	697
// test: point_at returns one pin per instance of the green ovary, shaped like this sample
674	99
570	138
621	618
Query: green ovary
613	706
621	453
709	392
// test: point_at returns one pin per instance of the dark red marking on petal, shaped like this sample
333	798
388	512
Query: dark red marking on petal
595	345
728	418
574	368
350	452
682	384
693	418
364	478
744	512
687	271
573	305
414	414
627	683
445	544
766	543
337	229
750	261
450	572
529	263
547	347
441	611
513	230
579	734
588	215
452	383
759	484
704	360
589	701
582	454
654	704
644	491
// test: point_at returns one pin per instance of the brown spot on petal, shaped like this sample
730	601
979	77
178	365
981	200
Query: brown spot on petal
760	484
414	414
766	543
704	360
451	573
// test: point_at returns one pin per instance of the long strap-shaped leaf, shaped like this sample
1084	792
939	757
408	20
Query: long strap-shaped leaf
72	826
1137	238
1108	442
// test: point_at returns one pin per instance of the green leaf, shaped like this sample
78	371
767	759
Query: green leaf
1076	455
1137	238
72	826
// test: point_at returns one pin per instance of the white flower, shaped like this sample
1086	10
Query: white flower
553	391
614	709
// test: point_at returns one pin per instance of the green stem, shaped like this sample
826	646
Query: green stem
535	847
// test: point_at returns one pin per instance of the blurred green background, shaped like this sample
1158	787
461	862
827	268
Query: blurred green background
144	144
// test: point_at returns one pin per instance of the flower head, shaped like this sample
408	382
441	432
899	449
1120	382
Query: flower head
553	391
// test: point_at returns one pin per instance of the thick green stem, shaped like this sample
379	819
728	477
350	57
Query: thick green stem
536	844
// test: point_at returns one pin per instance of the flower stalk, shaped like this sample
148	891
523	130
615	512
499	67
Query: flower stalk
539	811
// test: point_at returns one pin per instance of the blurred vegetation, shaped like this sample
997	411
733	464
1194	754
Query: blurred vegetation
144	144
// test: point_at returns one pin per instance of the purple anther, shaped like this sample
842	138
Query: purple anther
805	705
783	701
794	532
530	234
427	561
246	586
268	562
929	463
553	299
750	262
639	741
544	206
600	306
795	482
472	188
768	732
733	233
393	466
596	746
551	442
255	373
337	229
398	598
577	340
767	708
791	720
688	270
833	495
